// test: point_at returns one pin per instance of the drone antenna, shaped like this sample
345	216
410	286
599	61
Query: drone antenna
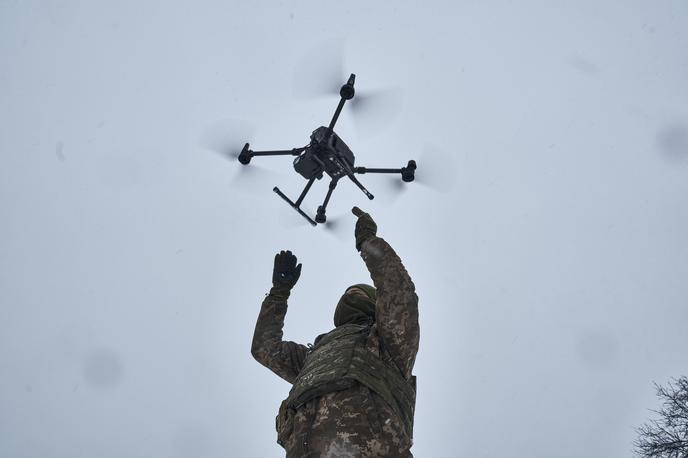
347	93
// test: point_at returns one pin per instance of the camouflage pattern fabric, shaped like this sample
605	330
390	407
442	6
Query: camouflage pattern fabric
355	422
352	308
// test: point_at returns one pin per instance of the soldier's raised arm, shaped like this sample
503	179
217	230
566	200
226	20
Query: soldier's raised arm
284	358
396	310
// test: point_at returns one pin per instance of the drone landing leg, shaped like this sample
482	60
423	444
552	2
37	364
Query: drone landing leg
320	215
296	205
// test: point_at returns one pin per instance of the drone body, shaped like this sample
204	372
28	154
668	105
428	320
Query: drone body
326	153
320	156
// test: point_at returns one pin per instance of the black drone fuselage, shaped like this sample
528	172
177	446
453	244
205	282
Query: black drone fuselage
326	153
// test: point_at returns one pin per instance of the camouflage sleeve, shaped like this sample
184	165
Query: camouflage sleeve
397	303
284	358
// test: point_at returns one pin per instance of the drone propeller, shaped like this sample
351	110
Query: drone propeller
321	74
437	169
340	226
395	188
226	138
372	110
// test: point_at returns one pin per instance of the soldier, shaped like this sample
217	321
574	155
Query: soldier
353	392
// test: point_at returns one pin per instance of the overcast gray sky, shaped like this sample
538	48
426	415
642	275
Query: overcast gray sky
550	257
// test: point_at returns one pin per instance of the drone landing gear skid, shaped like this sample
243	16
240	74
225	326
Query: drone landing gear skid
407	175
320	215
326	153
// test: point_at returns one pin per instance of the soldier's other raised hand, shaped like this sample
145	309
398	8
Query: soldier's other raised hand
365	227
285	273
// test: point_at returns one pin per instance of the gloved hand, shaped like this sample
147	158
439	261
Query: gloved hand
365	227
285	273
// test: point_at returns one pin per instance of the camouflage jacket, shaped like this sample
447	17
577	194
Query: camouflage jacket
355	422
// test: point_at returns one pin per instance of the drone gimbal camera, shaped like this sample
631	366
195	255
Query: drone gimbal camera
326	153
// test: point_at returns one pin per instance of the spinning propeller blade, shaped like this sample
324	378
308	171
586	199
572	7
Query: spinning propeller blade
437	169
340	227
226	138
393	186
321	72
373	110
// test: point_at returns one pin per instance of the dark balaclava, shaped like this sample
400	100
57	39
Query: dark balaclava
354	308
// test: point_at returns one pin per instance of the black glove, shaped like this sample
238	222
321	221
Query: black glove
285	273
365	227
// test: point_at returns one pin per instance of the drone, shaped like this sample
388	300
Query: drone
326	153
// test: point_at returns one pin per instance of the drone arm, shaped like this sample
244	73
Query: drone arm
247	153
363	170
286	152
408	173
347	93
336	114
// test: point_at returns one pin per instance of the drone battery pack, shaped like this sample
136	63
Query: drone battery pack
306	165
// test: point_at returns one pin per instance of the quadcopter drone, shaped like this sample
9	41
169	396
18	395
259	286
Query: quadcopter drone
326	153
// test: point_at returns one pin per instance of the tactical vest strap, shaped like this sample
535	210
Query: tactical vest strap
339	359
326	365
385	379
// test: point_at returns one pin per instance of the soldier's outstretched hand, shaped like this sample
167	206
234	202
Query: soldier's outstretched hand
285	273
365	227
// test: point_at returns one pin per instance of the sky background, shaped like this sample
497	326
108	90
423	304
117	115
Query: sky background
547	242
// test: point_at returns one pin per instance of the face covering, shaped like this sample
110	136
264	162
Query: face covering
355	308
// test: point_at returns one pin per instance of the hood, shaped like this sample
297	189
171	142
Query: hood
354	308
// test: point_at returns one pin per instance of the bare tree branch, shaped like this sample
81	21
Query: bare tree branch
666	436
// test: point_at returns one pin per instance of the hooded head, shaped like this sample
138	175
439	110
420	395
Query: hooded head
357	305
